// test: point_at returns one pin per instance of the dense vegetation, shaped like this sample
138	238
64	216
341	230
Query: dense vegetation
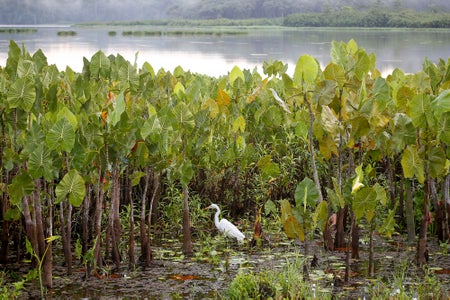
76	11
371	18
106	156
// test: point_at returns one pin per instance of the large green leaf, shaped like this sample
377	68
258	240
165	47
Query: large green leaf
128	74
13	59
141	154
335	73
433	73
179	90
381	194
306	194
412	164
330	121
387	226
26	68
184	116
12	214
338	54
441	104
40	60
22	185
325	92
404	93
306	70
100	65
118	109
381	93
268	167
364	203
443	130
72	186
151	128
419	109
335	196
147	68
61	137
22	94
239	124
291	226
320	216
403	133
65	113
49	76
136	177
187	172
363	64
40	163
436	161
236	73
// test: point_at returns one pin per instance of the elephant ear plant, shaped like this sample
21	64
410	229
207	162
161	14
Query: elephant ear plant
118	148
299	222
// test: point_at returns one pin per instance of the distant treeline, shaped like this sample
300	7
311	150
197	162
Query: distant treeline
371	18
222	22
313	12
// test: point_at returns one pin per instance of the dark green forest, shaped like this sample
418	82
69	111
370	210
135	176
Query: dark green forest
65	11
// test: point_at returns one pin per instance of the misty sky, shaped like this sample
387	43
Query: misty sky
73	11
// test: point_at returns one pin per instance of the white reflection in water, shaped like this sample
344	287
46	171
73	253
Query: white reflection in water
217	56
63	55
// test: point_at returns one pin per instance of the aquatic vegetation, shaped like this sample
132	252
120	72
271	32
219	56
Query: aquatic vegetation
183	32
122	155
17	30
67	33
286	282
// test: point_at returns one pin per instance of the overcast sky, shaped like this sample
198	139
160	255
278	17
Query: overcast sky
72	11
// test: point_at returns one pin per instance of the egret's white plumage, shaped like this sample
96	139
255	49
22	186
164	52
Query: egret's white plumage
226	226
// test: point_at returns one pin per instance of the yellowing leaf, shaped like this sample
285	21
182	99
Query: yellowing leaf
239	124
364	203
320	216
223	99
330	121
104	116
240	142
327	146
306	70
412	164
357	184
293	229
335	73
212	106
52	238
256	91
179	90
235	74
352	46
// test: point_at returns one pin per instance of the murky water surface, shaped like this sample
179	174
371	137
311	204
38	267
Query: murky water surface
208	274
217	54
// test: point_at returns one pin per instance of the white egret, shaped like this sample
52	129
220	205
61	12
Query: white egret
226	226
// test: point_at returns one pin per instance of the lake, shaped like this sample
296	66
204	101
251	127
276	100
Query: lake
215	55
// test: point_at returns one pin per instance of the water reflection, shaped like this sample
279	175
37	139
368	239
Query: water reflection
216	55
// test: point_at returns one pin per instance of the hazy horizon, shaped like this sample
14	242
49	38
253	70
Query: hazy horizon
77	11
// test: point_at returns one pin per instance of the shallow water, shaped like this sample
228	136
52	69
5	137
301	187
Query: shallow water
215	55
208	274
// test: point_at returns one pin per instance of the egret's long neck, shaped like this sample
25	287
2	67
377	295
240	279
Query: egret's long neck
216	217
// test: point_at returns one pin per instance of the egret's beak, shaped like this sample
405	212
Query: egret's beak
207	208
